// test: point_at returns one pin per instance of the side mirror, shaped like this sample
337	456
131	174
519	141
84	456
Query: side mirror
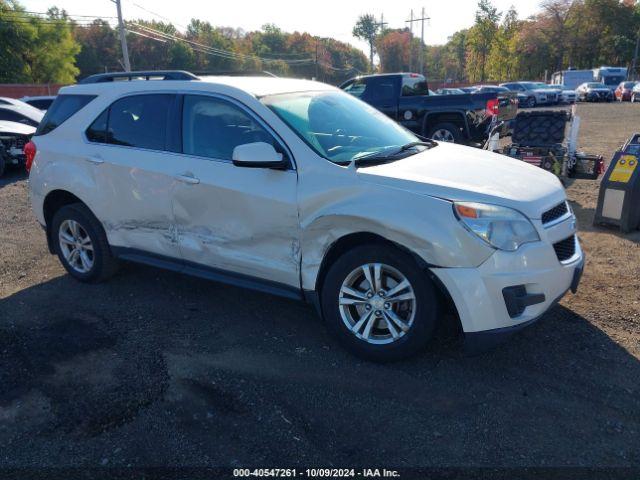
257	155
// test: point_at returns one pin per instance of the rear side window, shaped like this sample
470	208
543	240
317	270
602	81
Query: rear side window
356	88
136	121
413	86
97	132
62	108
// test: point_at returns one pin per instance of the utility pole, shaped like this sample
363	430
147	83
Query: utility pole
123	38
381	25
422	19
410	22
634	64
316	78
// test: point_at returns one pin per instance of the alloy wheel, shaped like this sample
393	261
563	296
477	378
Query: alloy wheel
443	135
76	246
377	303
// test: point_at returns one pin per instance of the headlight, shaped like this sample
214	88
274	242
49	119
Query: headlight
501	227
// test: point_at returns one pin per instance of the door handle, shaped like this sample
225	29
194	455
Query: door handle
95	159
188	179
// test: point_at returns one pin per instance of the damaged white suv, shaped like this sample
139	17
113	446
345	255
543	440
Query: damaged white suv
296	188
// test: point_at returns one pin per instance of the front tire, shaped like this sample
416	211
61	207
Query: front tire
531	102
379	304
81	244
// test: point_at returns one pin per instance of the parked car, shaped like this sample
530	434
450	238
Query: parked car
635	93
42	102
449	91
296	188
530	94
594	92
624	90
405	98
565	94
13	137
489	89
12	110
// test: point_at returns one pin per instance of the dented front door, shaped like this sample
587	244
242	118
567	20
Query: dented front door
233	219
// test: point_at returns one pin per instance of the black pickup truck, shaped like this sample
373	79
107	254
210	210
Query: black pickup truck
405	97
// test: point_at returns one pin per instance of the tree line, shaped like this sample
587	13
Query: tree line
581	34
60	48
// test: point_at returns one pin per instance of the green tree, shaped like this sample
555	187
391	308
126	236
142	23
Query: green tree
366	28
502	59
479	40
16	32
51	54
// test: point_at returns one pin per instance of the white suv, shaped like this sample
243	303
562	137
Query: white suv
297	188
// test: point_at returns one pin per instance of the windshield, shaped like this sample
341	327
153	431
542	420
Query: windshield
337	126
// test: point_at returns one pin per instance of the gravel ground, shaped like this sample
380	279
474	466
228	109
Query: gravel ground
158	369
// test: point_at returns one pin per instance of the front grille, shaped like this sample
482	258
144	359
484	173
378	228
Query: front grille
555	213
565	249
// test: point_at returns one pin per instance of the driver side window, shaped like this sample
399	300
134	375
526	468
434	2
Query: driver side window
213	128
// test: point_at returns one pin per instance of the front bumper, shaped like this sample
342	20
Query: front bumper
478	293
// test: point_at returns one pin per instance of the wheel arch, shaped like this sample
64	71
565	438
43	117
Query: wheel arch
356	239
54	201
457	118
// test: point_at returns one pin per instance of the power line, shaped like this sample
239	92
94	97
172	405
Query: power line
63	14
217	51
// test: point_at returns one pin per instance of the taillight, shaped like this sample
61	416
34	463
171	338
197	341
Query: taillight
29	153
492	106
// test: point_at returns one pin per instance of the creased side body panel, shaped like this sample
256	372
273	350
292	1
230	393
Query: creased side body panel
422	224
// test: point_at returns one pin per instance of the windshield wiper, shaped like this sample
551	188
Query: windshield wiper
386	155
425	143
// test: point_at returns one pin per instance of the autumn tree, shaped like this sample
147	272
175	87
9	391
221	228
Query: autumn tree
100	48
393	49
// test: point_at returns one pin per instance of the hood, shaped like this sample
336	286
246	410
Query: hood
546	90
455	172
16	128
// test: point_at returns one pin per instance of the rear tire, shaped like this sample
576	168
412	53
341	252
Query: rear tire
81	244
379	320
445	132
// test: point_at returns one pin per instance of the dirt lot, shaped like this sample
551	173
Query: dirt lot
158	369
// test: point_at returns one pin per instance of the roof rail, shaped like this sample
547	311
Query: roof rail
146	75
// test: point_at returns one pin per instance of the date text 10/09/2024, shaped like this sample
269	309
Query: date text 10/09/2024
316	473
